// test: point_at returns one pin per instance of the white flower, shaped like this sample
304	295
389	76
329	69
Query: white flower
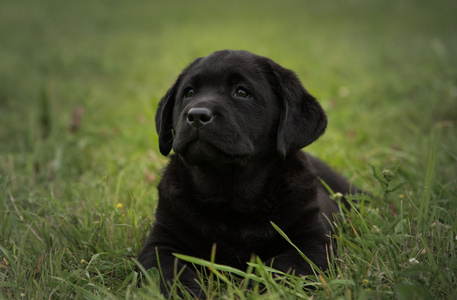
413	261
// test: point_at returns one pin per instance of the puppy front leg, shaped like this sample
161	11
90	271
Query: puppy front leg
291	261
171	269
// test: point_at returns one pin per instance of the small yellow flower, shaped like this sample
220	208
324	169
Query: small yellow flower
365	282
401	196
83	261
119	206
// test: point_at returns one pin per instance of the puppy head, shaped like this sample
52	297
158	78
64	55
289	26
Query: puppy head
233	105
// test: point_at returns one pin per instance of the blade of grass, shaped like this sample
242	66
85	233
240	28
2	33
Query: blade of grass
213	266
425	200
283	234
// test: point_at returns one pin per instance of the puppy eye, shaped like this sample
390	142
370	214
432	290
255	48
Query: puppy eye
189	92
241	92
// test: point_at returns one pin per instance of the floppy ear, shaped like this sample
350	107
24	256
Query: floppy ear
302	119
164	119
164	113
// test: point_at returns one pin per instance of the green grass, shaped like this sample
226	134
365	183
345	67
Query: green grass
76	201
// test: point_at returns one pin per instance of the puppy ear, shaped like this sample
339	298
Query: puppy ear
164	113
164	119
302	119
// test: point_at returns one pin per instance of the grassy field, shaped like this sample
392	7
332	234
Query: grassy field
79	159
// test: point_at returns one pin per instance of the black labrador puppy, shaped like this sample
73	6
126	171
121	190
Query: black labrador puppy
237	122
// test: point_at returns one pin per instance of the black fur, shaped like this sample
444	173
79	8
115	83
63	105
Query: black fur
237	166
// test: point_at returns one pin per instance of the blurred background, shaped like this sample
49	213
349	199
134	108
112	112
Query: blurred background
90	73
80	81
369	62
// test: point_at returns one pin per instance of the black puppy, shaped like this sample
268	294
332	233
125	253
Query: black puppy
237	122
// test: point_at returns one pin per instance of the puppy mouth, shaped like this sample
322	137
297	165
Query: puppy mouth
197	147
198	152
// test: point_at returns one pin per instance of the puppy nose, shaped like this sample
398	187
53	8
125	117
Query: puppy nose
199	116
